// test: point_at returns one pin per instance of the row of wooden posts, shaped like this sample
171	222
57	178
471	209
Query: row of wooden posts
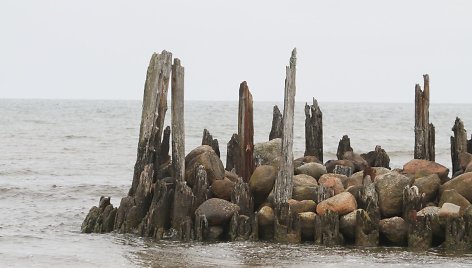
153	147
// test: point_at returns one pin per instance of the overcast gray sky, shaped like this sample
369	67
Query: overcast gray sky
347	50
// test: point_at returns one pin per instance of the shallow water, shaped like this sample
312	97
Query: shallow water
58	157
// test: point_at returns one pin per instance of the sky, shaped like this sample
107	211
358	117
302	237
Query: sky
348	51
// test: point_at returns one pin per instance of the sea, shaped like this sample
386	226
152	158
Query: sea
57	157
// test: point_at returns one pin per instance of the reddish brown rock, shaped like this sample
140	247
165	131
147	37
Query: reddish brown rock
421	168
342	204
266	216
462	184
333	181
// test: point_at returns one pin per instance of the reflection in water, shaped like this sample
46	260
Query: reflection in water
240	254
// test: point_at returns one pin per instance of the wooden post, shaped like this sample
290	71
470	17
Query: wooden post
245	167
284	181
276	130
153	114
344	146
207	139
178	128
232	153
424	131
314	130
458	143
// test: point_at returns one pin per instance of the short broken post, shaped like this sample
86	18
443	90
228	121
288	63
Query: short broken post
276	130
343	147
424	131
314	130
458	144
207	139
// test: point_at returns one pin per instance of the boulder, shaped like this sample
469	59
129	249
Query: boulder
342	204
449	210
205	156
222	189
428	185
347	224
268	153
266	216
217	211
462	184
304	192
213	233
333	181
307	225
377	158
464	160
468	168
395	230
305	159
304	180
261	183
421	168
452	196
390	188
297	207
231	176
331	164
357	160
312	169
357	178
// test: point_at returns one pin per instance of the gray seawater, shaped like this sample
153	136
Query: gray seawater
57	157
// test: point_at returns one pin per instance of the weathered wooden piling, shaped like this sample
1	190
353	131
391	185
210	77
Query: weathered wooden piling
314	130
207	139
459	144
424	131
154	109
276	130
284	181
343	147
232	153
245	166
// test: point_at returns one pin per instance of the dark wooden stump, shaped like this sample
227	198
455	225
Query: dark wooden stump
367	230
208	140
457	235
459	144
424	131
412	202
420	234
241	196
347	171
200	187
233	153
276	130
327	229
343	147
314	130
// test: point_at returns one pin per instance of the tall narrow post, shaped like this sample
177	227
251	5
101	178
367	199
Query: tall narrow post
245	167
178	128
458	143
284	183
424	131
153	114
314	130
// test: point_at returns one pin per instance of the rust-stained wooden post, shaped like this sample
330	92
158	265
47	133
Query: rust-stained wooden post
284	183
276	130
424	131
153	114
314	130
245	167
458	143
